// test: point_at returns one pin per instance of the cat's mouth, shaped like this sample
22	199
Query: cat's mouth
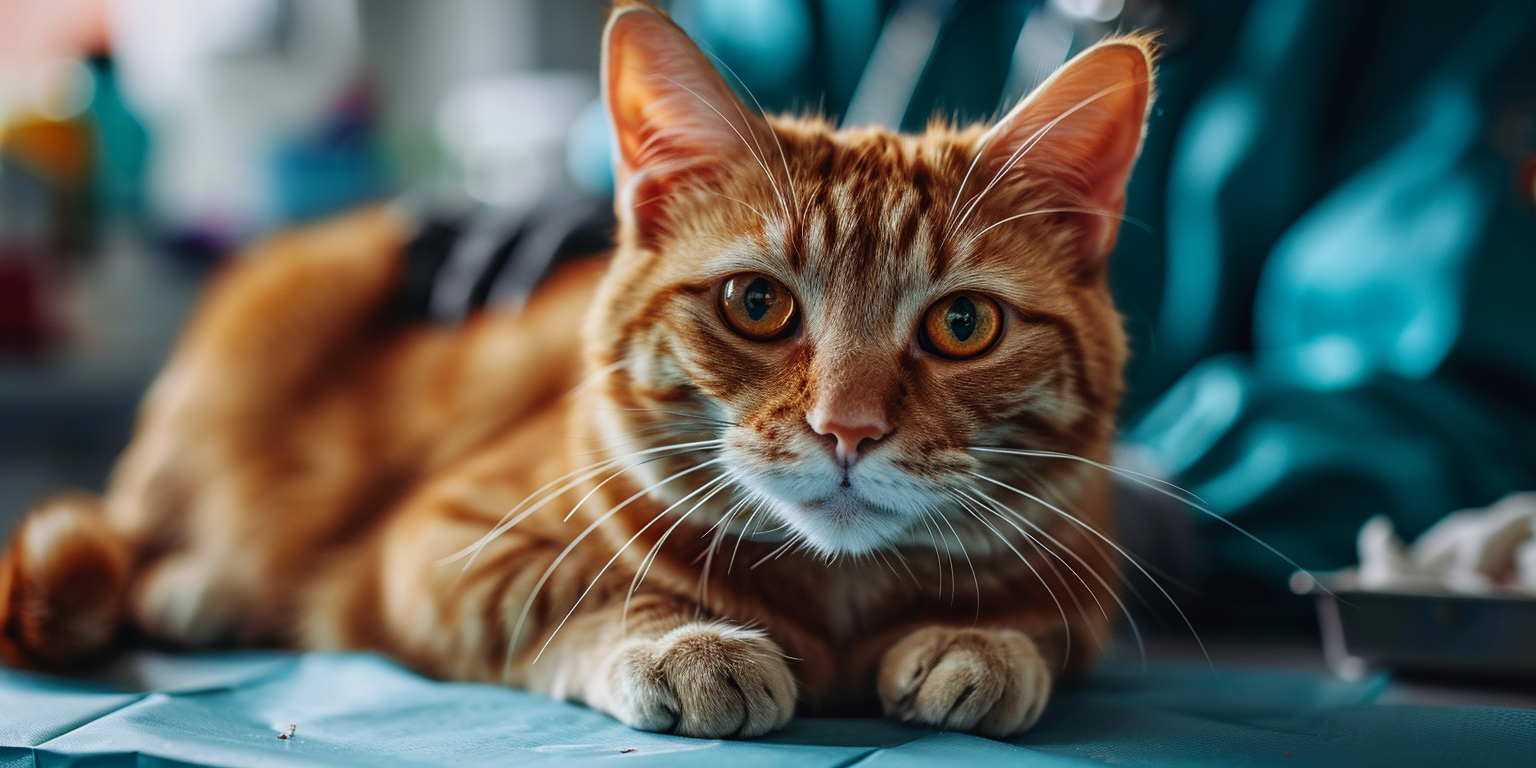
843	522
844	501
832	510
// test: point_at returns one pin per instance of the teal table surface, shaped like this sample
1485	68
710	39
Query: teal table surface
229	708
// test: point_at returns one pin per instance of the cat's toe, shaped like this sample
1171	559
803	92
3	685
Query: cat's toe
181	599
994	682
709	680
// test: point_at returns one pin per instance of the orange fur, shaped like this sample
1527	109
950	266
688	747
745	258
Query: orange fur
307	473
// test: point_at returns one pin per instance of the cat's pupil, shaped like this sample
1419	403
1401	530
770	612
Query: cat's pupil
758	299
961	318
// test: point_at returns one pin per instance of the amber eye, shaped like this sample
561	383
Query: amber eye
961	325
758	306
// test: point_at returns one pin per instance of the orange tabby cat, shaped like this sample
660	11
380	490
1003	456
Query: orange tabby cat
759	455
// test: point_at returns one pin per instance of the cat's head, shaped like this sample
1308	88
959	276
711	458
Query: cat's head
853	315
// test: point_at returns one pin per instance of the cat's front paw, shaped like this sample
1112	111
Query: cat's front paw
994	682
709	680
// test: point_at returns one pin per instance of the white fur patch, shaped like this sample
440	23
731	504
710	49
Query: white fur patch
45	532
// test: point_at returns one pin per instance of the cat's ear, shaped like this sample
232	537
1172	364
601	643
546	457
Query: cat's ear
1080	131
674	117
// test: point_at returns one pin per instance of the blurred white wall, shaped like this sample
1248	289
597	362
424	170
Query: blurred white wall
420	50
219	83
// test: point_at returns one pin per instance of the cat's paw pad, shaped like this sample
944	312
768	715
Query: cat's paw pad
709	680
994	682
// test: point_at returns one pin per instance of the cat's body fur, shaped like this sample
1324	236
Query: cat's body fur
306	470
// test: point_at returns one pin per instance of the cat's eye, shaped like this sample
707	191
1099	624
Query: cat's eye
758	306
961	325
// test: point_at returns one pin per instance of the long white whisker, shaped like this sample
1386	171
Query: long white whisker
714	546
902	559
801	546
1156	484
593	379
522	617
975	580
1043	211
1066	623
664	429
765	217
938	561
767	173
680	414
998	508
1061	499
758	506
570	480
1024	148
1117	548
771	555
894	572
1048	556
724	522
616	555
507	520
722	483
1128	474
670	195
949	218
949	556
789	178
781	526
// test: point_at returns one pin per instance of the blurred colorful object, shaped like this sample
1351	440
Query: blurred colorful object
507	135
46	206
58	156
255	110
26	324
45	91
332	167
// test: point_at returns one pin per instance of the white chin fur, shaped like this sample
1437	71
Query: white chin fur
843	524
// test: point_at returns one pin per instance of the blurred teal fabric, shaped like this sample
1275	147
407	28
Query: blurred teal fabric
228	709
1346	318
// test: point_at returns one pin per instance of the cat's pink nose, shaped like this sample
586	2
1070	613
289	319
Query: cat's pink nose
854	433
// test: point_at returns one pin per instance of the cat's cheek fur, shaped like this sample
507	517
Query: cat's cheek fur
991	681
703	679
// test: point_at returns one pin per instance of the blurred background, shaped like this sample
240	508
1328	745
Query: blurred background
142	142
1327	280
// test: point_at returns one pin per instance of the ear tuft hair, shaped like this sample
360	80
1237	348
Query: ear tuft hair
1082	129
675	120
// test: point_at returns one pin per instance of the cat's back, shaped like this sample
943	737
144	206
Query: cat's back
300	408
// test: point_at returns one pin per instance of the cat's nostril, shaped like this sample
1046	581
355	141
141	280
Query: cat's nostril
830	440
848	438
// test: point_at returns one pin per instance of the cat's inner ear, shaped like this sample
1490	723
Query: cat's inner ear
1080	131
674	117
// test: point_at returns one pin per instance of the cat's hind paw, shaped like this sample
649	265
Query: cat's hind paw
704	679
62	579
993	682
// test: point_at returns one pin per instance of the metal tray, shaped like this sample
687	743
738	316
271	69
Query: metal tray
1485	637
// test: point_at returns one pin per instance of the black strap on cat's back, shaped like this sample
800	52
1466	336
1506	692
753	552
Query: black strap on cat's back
492	258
